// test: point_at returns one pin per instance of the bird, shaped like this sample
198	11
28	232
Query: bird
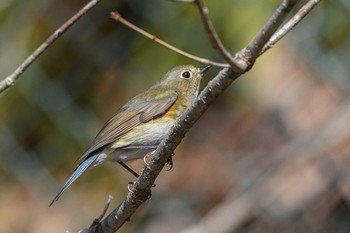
139	126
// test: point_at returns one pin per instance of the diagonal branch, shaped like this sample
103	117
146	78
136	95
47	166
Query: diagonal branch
117	17
303	11
211	33
12	78
252	51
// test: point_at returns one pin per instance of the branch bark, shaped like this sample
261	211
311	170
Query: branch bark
252	51
304	10
212	35
12	78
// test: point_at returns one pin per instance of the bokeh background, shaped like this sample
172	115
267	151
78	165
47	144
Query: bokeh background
272	153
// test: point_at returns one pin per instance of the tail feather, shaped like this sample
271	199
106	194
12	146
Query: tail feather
78	171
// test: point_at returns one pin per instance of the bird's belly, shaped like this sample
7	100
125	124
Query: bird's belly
140	141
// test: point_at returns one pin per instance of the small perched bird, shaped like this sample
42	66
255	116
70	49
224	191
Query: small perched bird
140	125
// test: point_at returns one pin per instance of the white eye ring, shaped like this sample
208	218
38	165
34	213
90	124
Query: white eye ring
186	74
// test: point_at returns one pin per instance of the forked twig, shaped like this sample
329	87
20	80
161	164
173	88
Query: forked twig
12	78
211	33
104	211
117	17
99	219
248	55
304	10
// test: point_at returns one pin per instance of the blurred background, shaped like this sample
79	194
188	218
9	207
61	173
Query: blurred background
271	155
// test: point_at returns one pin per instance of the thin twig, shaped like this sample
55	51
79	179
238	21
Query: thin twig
12	78
212	35
104	211
117	17
290	24
98	220
247	56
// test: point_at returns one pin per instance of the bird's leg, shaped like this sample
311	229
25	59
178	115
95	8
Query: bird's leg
129	169
131	183
132	172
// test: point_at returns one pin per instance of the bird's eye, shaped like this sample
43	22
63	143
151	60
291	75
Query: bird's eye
186	74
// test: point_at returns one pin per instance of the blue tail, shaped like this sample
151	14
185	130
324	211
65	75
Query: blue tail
78	171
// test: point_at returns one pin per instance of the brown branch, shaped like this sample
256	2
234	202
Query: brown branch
212	35
304	10
248	55
103	213
117	17
12	78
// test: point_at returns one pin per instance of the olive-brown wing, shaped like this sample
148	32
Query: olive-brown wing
128	118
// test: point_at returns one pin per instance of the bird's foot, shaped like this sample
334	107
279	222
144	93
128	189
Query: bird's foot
147	158
170	162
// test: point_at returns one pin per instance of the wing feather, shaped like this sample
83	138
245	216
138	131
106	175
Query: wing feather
130	116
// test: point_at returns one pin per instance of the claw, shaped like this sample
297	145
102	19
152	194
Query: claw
149	195
130	186
147	158
170	162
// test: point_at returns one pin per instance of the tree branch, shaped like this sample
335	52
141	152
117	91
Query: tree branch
304	10
12	78
103	213
117	17
252	51
212	35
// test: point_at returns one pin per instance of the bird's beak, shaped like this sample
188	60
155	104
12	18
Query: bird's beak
204	68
